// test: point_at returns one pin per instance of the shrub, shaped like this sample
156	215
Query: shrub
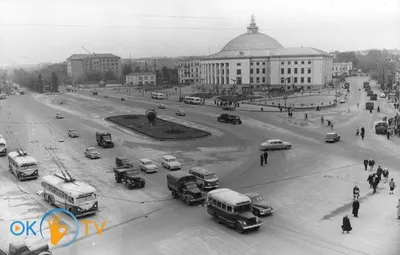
322	103
273	103
312	104
302	104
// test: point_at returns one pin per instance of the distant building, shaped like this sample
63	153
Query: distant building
138	79
341	68
189	72
79	64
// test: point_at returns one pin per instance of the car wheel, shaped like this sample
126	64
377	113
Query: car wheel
287	147
187	200
239	228
257	213
216	218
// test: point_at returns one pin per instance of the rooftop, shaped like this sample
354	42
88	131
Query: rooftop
94	55
144	73
228	196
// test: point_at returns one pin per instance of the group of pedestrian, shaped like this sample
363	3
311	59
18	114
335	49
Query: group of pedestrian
370	163
264	158
362	134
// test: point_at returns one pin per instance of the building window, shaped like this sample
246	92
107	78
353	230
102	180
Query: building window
258	70
289	71
251	79
302	80
289	62
309	80
282	80
238	72
251	63
302	70
282	63
295	70
282	70
302	62
288	80
309	70
238	64
258	63
263	70
263	63
295	62
309	62
258	79
263	80
251	71
295	79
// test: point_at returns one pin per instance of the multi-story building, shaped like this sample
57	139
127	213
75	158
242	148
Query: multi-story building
257	61
79	64
138	79
342	68
189	72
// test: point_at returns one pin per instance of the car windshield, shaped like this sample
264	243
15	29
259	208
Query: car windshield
91	150
146	162
243	208
381	124
191	186
28	166
171	160
257	199
210	177
85	198
107	138
72	130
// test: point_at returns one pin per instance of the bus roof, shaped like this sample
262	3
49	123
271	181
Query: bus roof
228	196
22	159
74	189
200	170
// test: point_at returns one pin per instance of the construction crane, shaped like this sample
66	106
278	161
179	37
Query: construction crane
90	54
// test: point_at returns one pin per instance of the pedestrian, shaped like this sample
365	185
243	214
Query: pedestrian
371	164
362	130
398	209
356	207
370	180
379	172
322	120
362	135
262	160
370	111
375	182
331	126
356	192
392	185
357	131
386	174
346	225
365	164
265	157
388	134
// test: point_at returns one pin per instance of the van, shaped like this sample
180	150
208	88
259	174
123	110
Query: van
205	179
156	95
192	100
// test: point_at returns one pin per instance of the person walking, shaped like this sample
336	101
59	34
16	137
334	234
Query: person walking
375	182
371	164
370	180
346	225
331	125
379	172
356	207
357	131
392	185
388	134
265	157
322	120
362	132
366	164
356	192
398	210
386	174
261	160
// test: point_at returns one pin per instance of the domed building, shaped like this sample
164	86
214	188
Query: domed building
256	61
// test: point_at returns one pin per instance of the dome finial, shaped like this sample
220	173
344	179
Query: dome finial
252	29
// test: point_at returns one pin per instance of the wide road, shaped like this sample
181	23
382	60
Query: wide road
293	181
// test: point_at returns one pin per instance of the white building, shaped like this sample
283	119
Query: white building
342	68
189	72
138	79
257	60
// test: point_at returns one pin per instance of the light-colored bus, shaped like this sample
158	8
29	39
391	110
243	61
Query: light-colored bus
233	209
3	146
205	179
192	100
77	197
22	165
156	95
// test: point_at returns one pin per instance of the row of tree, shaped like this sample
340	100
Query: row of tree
371	61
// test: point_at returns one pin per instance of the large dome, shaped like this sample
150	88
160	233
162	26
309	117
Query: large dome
252	41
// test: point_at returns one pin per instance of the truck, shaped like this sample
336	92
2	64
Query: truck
183	186
123	162
346	85
369	105
370	93
21	248
381	128
104	139
374	97
228	118
129	176
366	83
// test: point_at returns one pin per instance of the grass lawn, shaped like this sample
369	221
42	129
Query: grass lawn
160	130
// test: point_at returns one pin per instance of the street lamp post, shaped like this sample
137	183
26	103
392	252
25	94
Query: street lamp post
44	87
286	91
202	88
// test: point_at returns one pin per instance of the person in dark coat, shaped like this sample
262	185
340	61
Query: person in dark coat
366	164
371	164
356	192
379	172
375	182
346	226
356	206
388	135
362	130
265	157
261	160
370	180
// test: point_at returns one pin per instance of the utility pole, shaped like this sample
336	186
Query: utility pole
44	87
285	92
202	88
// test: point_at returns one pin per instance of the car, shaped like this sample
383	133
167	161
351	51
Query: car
332	137
342	101
59	116
381	127
275	144
147	165
73	133
92	153
180	113
162	106
383	95
260	207
228	118
170	162
228	108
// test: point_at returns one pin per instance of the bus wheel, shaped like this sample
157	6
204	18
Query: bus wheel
216	218
50	200
239	228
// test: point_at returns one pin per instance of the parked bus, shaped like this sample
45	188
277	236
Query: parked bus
22	165
233	209
156	95
77	197
3	146
192	100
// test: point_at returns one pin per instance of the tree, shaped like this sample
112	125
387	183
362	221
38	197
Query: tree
137	69
39	86
146	68
126	69
54	82
109	75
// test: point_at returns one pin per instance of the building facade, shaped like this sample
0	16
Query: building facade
79	64
189	72
139	79
342	68
259	61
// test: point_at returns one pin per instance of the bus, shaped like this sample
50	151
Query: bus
192	100
156	95
22	165
3	146
233	209
77	197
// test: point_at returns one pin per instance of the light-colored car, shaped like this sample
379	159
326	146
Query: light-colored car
275	144
73	133
147	165
180	113
383	95
332	137
92	153
342	101
162	106
170	162
59	116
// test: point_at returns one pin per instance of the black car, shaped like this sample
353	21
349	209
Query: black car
234	119
259	206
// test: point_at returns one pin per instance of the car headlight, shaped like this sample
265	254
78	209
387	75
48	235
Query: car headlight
79	209
244	223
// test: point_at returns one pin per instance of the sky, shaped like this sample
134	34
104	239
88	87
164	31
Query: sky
38	31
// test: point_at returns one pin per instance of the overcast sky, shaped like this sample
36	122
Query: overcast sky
37	31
